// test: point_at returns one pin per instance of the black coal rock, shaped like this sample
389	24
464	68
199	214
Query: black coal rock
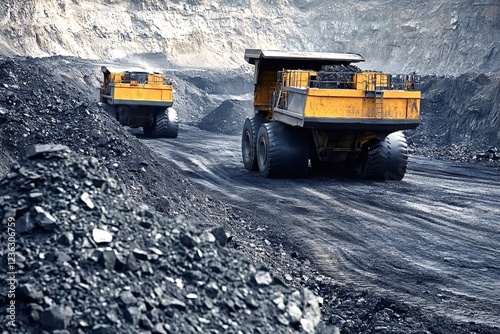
100	270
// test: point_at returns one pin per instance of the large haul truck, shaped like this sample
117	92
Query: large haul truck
319	108
141	99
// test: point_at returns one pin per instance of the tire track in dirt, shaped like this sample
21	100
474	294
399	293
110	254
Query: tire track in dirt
431	240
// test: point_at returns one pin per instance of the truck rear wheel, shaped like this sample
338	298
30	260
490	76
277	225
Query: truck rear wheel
249	142
165	125
385	159
282	151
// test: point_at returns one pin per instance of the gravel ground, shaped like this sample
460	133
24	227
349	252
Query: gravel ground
165	269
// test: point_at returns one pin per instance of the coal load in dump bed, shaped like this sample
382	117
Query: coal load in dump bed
90	260
336	76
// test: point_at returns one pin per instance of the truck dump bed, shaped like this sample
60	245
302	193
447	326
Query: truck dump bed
136	88
322	90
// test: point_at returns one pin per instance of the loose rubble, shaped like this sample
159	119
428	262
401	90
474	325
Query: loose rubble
463	153
490	155
117	267
336	76
460	118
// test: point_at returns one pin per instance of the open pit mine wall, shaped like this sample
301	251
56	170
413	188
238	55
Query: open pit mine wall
433	37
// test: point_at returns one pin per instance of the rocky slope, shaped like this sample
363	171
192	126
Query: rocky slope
435	38
460	117
107	264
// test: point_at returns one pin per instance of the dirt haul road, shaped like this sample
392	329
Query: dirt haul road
431	240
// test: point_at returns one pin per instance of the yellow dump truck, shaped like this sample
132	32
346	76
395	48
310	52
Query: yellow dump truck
141	99
320	108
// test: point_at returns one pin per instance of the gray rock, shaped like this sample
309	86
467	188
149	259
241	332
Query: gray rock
108	259
101	236
172	303
220	235
132	263
66	238
85	198
127	298
62	257
159	329
121	263
34	311
146	323
35	196
112	315
140	254
25	224
311	313
104	329
95	133
37	151
263	278
132	314
147	268
29	293
211	289
188	241
45	219
56	317
294	312
103	141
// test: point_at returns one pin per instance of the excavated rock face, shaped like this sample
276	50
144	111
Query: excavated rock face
91	260
435	38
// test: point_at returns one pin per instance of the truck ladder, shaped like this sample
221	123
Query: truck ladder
278	95
379	103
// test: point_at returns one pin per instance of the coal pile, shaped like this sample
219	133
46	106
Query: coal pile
41	104
91	260
54	100
460	118
463	153
227	118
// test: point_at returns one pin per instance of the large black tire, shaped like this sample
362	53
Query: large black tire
249	142
173	123
385	159
165	125
282	151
